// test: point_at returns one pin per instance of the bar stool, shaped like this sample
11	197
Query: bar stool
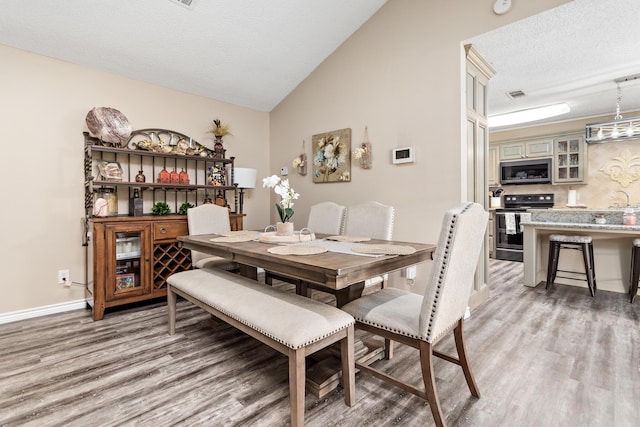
635	270
580	243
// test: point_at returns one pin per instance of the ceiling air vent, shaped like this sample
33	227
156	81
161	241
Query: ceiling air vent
516	94
184	3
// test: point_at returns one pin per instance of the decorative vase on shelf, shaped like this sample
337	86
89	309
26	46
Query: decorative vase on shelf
218	148
284	229
140	177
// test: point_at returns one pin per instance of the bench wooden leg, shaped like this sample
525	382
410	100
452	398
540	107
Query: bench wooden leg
171	303
297	385
348	367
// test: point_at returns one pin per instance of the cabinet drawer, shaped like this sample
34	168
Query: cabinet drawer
169	230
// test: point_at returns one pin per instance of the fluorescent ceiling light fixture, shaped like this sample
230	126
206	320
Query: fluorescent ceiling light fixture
530	115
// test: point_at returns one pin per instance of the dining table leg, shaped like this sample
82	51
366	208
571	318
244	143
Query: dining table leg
249	271
348	294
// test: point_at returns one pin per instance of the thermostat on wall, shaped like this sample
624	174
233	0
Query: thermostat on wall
402	155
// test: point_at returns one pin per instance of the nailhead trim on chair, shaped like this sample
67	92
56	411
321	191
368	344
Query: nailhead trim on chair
443	268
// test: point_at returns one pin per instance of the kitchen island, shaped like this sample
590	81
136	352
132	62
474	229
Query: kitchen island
612	243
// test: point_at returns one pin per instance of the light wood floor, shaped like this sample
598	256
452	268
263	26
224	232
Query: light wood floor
541	358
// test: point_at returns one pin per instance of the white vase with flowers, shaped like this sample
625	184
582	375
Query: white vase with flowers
285	206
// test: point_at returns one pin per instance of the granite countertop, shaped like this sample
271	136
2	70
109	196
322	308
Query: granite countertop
582	226
580	219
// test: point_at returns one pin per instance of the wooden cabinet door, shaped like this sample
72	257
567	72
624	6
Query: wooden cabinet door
493	175
512	151
539	149
128	260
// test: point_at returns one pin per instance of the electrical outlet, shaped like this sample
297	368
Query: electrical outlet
284	171
63	277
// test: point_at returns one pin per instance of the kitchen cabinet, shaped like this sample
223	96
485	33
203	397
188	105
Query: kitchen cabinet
570	160
526	149
493	162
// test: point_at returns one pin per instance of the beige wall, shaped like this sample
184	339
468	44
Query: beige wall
596	193
44	104
399	75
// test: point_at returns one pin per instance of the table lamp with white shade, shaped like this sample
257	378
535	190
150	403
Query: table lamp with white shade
244	178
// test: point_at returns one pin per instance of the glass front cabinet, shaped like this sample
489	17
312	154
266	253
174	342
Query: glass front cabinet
570	160
128	270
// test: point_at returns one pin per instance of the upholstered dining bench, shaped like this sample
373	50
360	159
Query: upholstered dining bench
291	324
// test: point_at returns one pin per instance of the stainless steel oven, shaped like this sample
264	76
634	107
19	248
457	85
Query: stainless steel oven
509	243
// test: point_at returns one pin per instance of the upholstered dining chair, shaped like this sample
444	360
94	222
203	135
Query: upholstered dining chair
209	219
370	219
422	321
324	218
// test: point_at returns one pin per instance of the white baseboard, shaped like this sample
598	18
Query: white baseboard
30	313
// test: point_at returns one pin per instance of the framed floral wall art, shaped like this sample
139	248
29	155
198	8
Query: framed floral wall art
332	156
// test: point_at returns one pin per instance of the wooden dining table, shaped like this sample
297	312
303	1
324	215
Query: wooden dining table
341	272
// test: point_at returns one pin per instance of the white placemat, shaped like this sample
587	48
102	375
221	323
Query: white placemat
235	239
340	247
240	233
297	250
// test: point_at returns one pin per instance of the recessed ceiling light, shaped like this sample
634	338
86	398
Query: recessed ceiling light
530	115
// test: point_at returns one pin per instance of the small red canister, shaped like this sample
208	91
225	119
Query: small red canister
184	177
164	177
174	177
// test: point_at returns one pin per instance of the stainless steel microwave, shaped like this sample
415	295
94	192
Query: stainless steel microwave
533	171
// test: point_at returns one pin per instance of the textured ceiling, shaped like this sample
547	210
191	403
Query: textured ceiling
246	52
253	53
571	54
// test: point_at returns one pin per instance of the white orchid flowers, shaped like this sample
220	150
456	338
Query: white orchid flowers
286	193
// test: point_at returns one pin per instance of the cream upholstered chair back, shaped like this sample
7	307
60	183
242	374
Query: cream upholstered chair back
455	262
207	219
370	219
326	218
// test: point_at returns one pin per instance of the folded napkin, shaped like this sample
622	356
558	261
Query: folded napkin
510	220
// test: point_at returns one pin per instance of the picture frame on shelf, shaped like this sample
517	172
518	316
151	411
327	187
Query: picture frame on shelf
216	176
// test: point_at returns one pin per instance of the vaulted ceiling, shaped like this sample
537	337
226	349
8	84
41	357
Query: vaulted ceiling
253	53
